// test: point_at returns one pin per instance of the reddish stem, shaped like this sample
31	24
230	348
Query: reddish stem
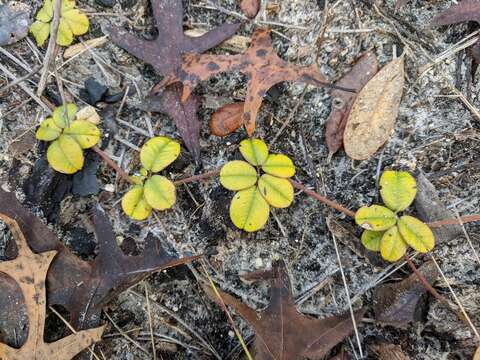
199	177
460	221
113	165
322	199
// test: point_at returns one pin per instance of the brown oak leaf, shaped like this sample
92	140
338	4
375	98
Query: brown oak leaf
281	331
260	63
362	71
29	271
184	114
165	55
82	287
227	119
400	303
250	7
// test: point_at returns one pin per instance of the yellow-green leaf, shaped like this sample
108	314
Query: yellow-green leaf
40	31
48	131
238	175
65	155
278	192
64	33
76	21
159	152
45	14
392	247
159	192
134	204
279	165
249	210
84	132
59	115
417	234
255	151
398	189
372	239
375	217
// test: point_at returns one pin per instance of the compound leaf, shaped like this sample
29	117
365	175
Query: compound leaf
398	189
84	132
278	192
375	217
65	155
61	117
238	175
135	205
279	165
255	151
159	152
372	239
392	246
40	31
249	211
76	21
48	131
416	233
159	192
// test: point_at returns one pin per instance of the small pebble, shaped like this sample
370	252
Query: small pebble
109	188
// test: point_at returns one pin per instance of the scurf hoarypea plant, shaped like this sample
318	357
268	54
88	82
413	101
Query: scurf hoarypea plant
385	231
152	191
256	192
72	22
69	135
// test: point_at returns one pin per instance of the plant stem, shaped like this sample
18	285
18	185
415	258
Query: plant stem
322	199
199	177
113	165
459	221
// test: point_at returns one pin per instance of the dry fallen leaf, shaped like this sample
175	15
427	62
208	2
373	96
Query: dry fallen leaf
389	352
82	287
281	331
227	119
476	356
259	63
250	7
29	271
398	304
373	114
77	49
362	71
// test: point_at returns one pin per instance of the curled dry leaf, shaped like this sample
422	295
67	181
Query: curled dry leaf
82	287
373	114
250	7
362	71
477	354
29	271
281	332
263	67
227	119
400	303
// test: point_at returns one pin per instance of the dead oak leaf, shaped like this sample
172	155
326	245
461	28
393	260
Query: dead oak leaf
184	115
82	287
281	331
362	71
260	63
29	271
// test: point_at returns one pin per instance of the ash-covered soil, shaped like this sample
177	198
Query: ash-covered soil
434	133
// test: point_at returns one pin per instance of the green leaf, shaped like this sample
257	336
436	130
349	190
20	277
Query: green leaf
59	117
48	131
65	155
45	14
416	233
248	210
159	152
238	175
372	239
278	192
84	132
398	189
392	247
255	151
64	33
134	204
160	192
375	217
40	31
75	20
279	165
